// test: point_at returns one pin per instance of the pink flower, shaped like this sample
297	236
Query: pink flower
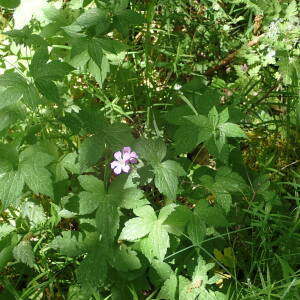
123	160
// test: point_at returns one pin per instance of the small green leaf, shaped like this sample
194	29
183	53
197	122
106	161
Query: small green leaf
291	10
7	245
111	46
132	198
69	162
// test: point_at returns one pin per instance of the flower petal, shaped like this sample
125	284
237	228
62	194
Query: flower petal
118	170
114	164
126	156
126	150
133	155
126	168
118	155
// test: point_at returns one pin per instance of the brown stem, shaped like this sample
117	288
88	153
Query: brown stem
226	61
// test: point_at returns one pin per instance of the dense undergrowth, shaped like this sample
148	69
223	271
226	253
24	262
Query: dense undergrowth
149	149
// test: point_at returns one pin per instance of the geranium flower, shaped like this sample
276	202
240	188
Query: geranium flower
123	160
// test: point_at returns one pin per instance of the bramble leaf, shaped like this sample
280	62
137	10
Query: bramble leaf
23	253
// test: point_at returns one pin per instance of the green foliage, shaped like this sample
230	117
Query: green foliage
204	94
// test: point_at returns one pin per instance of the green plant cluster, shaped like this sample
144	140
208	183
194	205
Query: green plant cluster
207	212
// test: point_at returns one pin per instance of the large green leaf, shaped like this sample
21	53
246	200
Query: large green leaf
9	158
9	3
90	17
193	130
196	229
6	248
10	96
212	216
152	151
54	70
124	259
125	18
18	89
138	227
5	230
23	253
95	52
70	243
90	151
169	289
107	219
118	135
99	73
90	199
159	241
166	178
93	269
